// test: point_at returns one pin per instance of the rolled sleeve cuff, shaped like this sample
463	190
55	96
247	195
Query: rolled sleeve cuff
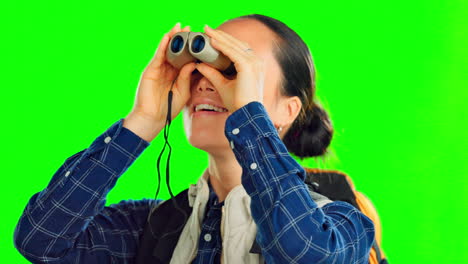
259	149
249	120
124	147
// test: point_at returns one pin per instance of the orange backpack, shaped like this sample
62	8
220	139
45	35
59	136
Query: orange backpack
336	185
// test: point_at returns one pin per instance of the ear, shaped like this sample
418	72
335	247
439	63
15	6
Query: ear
290	107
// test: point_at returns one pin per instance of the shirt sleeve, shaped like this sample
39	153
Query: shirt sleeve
68	221
291	227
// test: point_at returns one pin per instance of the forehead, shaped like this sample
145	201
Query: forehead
262	40
259	37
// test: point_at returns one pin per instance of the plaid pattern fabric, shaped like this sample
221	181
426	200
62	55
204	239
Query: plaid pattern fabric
210	242
68	221
291	228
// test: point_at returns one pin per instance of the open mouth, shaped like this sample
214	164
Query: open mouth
208	108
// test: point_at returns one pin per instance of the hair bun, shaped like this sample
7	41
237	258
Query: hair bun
312	136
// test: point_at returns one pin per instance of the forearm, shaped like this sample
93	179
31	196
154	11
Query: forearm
60	213
290	224
144	128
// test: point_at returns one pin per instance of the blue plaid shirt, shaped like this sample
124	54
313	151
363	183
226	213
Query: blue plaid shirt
210	242
68	221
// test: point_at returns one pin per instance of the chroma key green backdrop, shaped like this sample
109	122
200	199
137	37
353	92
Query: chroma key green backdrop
391	74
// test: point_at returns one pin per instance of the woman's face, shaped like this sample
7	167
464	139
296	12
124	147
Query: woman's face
206	129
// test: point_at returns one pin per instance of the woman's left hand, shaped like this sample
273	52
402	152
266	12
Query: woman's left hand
248	84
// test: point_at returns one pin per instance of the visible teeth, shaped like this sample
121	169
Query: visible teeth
209	107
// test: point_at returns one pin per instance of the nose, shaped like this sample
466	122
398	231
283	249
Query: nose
204	85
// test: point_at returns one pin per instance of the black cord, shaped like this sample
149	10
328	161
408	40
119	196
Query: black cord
166	138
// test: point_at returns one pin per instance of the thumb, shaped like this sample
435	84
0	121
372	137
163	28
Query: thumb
182	88
183	80
212	74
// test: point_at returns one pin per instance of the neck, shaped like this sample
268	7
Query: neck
224	173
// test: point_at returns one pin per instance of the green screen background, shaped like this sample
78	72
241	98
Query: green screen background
391	74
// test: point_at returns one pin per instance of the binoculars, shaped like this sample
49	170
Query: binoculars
186	47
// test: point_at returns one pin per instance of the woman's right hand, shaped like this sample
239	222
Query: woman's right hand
148	115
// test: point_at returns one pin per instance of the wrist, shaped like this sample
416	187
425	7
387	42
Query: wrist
142	127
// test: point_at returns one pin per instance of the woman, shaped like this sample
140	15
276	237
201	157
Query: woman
252	189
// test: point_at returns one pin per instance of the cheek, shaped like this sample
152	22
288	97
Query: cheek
269	99
271	105
271	92
187	122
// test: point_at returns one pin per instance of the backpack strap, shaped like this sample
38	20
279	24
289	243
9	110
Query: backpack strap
331	184
165	223
338	186
162	230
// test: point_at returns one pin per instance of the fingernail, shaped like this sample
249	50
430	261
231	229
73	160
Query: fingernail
206	26
177	24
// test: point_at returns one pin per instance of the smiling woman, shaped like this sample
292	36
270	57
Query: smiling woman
251	205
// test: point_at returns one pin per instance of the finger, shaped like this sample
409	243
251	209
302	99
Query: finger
183	80
158	59
184	83
226	38
212	74
174	30
233	52
231	39
235	55
227	43
219	34
186	29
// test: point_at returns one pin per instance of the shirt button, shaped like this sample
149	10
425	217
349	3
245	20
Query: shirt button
68	173
235	131
107	139
253	166
207	237
232	144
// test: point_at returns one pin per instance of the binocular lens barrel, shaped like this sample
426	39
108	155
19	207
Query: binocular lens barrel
198	44
186	47
177	44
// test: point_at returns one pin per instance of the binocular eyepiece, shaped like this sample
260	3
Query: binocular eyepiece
186	47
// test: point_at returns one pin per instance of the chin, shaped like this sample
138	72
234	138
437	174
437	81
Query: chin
206	133
209	144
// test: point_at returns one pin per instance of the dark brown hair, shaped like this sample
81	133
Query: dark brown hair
311	132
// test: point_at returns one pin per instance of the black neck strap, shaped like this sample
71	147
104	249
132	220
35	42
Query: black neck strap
166	138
